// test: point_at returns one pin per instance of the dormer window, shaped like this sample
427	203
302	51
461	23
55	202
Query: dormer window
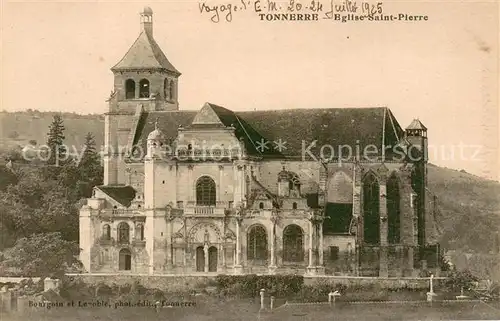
294	205
261	205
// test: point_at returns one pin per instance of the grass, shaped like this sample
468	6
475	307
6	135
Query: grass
212	309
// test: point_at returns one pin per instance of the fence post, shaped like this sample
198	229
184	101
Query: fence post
262	293
272	302
332	297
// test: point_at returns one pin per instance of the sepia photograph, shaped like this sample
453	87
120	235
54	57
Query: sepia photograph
249	160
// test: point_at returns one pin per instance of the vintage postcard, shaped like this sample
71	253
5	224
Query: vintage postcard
249	160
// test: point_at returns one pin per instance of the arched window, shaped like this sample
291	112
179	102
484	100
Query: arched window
166	89
293	247
144	88
205	191
393	211
261	205
257	244
294	205
139	232
123	233
294	182
371	213
340	189
171	89
106	232
339	204
130	89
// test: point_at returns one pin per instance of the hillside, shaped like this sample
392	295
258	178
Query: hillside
20	127
467	211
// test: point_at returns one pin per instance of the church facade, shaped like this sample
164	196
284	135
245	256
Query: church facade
313	191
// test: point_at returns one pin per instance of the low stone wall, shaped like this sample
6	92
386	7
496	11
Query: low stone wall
189	282
170	282
384	283
9	279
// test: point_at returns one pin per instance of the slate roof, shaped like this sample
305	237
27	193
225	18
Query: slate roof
327	126
416	124
120	193
145	54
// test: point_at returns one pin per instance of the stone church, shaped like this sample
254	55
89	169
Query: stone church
312	191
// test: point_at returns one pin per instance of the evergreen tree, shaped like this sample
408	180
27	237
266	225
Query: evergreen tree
55	142
91	171
90	158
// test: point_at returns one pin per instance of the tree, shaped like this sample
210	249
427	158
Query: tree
39	205
91	171
55	141
42	255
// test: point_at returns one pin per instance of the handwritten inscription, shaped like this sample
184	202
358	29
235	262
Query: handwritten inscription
298	10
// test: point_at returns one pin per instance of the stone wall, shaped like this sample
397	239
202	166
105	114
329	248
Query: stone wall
163	282
385	283
190	282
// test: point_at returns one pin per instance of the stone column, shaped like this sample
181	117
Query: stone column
311	232
243	182
311	268
238	269
149	234
408	235
383	267
236	186
169	240
272	266
205	250
320	248
190	183
219	190
223	252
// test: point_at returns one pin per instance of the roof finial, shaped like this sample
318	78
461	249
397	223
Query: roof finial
156	123
147	20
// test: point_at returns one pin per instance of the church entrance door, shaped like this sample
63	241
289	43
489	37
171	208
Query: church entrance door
200	259
125	260
212	259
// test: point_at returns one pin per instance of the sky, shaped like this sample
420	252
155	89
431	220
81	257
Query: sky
57	55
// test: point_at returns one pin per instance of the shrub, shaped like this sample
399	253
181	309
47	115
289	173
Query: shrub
75	289
103	289
250	285
460	279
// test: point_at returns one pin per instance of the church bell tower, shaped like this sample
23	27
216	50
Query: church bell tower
144	81
145	75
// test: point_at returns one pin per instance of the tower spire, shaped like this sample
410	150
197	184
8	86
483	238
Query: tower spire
147	20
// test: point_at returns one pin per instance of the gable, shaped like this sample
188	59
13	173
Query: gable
206	116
